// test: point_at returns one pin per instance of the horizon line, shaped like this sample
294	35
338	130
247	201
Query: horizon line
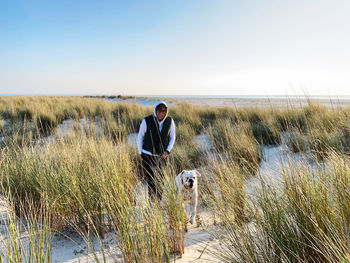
173	95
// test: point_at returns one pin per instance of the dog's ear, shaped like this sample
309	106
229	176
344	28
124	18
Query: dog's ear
197	173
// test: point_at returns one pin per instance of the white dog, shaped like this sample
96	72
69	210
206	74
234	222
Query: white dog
187	185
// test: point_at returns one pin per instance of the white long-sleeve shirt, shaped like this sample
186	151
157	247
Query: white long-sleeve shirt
142	132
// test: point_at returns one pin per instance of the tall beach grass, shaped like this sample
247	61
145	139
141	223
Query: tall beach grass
89	180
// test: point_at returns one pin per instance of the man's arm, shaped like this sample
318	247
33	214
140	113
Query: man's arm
172	136
140	137
171	140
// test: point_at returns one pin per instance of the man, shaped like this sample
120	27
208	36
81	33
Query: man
155	140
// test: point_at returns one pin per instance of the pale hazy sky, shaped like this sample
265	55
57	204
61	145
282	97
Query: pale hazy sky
182	47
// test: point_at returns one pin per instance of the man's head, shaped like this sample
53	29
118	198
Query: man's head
161	111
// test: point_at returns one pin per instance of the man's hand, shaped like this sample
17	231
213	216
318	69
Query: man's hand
164	155
139	157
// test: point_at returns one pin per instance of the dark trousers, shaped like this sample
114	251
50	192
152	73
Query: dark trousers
152	166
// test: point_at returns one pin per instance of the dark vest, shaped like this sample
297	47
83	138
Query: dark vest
155	141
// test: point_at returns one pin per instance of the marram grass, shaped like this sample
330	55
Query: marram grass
302	218
26	239
89	180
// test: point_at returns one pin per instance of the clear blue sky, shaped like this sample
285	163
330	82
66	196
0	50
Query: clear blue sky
182	47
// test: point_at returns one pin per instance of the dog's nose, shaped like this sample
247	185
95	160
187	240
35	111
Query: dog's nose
190	180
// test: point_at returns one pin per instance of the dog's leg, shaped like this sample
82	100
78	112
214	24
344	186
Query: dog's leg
193	210
186	217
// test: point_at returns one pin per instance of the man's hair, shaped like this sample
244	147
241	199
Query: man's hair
160	106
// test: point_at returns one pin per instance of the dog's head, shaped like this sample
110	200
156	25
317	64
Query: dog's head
189	178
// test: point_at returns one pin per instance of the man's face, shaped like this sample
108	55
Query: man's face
161	113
